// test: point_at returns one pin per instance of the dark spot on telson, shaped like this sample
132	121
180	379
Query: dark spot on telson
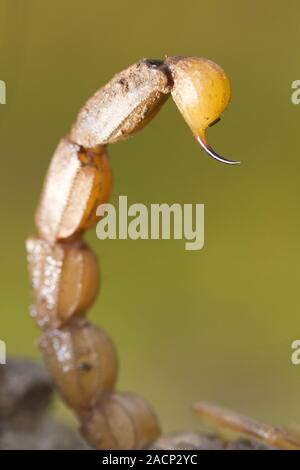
86	366
214	122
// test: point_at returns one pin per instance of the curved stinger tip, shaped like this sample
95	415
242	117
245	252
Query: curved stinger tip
208	149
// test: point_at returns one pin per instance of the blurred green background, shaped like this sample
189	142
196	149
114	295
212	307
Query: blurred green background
216	324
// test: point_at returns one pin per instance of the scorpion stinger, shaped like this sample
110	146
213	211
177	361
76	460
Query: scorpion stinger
201	91
208	149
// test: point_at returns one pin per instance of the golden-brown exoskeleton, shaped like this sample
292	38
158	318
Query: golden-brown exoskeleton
121	421
78	180
123	106
65	281
82	361
199	87
64	273
235	422
201	91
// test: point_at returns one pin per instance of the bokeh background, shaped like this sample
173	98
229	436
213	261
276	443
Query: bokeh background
215	324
